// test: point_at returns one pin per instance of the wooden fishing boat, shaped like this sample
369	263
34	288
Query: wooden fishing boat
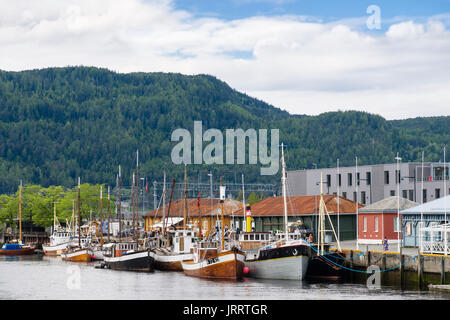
213	263
59	241
326	267
16	249
210	261
126	256
169	258
76	254
283	259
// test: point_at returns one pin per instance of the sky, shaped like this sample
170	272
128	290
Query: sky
390	58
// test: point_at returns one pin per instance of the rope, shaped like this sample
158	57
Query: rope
354	270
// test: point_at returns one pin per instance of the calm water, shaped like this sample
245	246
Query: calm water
41	277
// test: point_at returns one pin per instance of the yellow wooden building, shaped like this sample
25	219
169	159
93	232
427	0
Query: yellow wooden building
208	209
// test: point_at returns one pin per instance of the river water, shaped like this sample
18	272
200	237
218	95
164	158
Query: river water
42	277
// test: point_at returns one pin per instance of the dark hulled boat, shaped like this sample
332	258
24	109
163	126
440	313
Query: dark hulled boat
326	266
126	256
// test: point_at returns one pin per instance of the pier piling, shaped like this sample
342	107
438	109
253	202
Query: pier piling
443	270
419	269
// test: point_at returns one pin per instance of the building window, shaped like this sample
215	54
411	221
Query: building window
392	193
396	226
386	177
350	178
405	194
397	176
363	197
358	179
328	180
339	179
424	195
411	195
408	229
376	224
437	193
365	224
344	195
368	178
355	196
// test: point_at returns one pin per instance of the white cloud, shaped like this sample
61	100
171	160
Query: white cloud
297	63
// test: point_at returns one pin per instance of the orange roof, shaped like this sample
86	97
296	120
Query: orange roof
301	205
207	207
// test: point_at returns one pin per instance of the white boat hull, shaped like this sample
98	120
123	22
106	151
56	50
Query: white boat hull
55	250
286	268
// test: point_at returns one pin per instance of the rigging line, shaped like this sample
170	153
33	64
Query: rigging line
396	267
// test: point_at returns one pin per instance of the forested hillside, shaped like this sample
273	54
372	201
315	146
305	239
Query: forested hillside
60	123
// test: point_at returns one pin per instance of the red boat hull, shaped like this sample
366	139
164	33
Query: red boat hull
19	252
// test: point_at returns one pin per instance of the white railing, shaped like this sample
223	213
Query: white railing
435	239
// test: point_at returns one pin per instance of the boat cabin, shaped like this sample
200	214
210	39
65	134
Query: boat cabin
254	240
182	241
118	249
251	242
205	250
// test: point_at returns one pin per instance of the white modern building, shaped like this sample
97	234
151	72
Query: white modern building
371	183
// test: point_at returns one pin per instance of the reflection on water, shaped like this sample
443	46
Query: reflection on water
42	277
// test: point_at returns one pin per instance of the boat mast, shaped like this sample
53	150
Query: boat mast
185	199
54	216
72	220
199	217
168	211
222	197
321	219
243	202
164	205
79	214
109	214
101	217
119	209
283	181
136	221
20	212
133	200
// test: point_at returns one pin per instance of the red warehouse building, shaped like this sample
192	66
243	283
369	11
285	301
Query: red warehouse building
379	220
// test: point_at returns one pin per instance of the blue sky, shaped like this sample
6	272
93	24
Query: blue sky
327	10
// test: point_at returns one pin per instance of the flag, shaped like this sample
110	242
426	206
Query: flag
146	185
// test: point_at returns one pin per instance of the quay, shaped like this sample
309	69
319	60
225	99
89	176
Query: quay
409	268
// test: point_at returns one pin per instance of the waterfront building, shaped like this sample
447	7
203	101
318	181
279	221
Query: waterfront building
210	213
268	215
379	220
371	183
432	214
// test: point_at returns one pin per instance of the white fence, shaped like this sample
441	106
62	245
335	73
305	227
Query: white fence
434	239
